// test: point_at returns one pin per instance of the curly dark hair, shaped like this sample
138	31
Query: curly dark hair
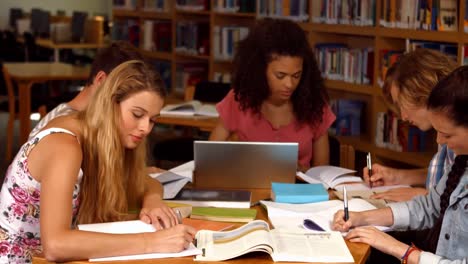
266	40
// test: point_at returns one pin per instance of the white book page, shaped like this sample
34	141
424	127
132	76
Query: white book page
207	110
291	216
186	109
327	175
310	246
133	227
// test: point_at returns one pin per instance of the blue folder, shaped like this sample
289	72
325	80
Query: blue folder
298	192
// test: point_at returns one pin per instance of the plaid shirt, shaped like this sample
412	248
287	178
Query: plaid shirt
440	164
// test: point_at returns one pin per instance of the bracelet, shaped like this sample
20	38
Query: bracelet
404	258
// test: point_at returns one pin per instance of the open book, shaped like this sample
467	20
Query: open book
190	108
329	176
293	245
133	227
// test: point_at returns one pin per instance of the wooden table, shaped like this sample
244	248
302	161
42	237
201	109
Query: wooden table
359	251
50	44
25	74
204	123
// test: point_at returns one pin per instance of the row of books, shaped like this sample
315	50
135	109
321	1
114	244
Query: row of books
193	5
438	15
157	5
291	9
126	29
395	134
157	35
222	77
124	4
225	40
164	69
339	62
192	38
351	12
348	114
389	57
233	6
189	73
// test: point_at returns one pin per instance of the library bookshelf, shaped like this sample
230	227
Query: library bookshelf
375	37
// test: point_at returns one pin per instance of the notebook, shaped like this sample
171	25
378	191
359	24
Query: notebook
244	165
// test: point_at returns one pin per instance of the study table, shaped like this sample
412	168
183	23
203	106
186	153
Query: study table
359	251
50	44
25	74
204	123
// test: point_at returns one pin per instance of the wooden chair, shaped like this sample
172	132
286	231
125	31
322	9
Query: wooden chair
10	96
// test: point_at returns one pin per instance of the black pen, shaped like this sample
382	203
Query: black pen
369	167
345	201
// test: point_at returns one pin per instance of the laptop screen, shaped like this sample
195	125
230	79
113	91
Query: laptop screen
244	165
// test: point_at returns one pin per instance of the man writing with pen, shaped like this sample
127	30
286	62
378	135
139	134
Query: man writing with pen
407	86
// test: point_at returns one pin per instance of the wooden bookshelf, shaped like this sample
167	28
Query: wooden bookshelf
375	37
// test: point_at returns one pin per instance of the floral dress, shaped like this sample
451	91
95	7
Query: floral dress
20	208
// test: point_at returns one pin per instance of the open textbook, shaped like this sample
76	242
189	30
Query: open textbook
363	191
133	227
190	108
288	216
329	176
294	245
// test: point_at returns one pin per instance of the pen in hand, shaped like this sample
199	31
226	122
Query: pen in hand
345	201
369	167
179	216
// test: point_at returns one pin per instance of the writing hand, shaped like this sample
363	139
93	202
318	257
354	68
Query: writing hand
339	224
174	239
400	194
381	175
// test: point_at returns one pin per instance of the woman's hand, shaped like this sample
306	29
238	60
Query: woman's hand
174	239
381	175
400	194
157	213
378	240
339	224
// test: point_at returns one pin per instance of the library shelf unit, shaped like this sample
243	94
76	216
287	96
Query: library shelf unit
375	37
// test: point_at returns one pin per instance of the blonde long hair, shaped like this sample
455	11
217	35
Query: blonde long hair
416	73
112	174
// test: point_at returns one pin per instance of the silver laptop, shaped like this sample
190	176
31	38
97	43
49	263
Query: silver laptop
244	165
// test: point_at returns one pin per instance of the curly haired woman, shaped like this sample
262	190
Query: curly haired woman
277	93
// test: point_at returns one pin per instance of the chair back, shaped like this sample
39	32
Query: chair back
210	92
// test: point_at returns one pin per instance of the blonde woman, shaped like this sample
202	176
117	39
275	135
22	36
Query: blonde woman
86	168
407	87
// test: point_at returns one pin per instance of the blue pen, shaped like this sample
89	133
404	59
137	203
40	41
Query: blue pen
345	201
311	225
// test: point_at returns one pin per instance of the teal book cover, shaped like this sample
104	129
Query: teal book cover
298	193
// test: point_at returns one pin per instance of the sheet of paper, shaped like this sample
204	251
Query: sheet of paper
171	189
365	187
133	227
291	216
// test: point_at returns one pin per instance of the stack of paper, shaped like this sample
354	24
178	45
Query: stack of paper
175	179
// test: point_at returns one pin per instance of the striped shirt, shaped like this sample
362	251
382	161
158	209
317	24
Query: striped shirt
440	164
60	110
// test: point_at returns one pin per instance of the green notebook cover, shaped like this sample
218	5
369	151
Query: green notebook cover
224	214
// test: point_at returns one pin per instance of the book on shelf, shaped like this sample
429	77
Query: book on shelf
214	198
348	117
329	176
224	214
190	108
298	192
293	245
134	227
